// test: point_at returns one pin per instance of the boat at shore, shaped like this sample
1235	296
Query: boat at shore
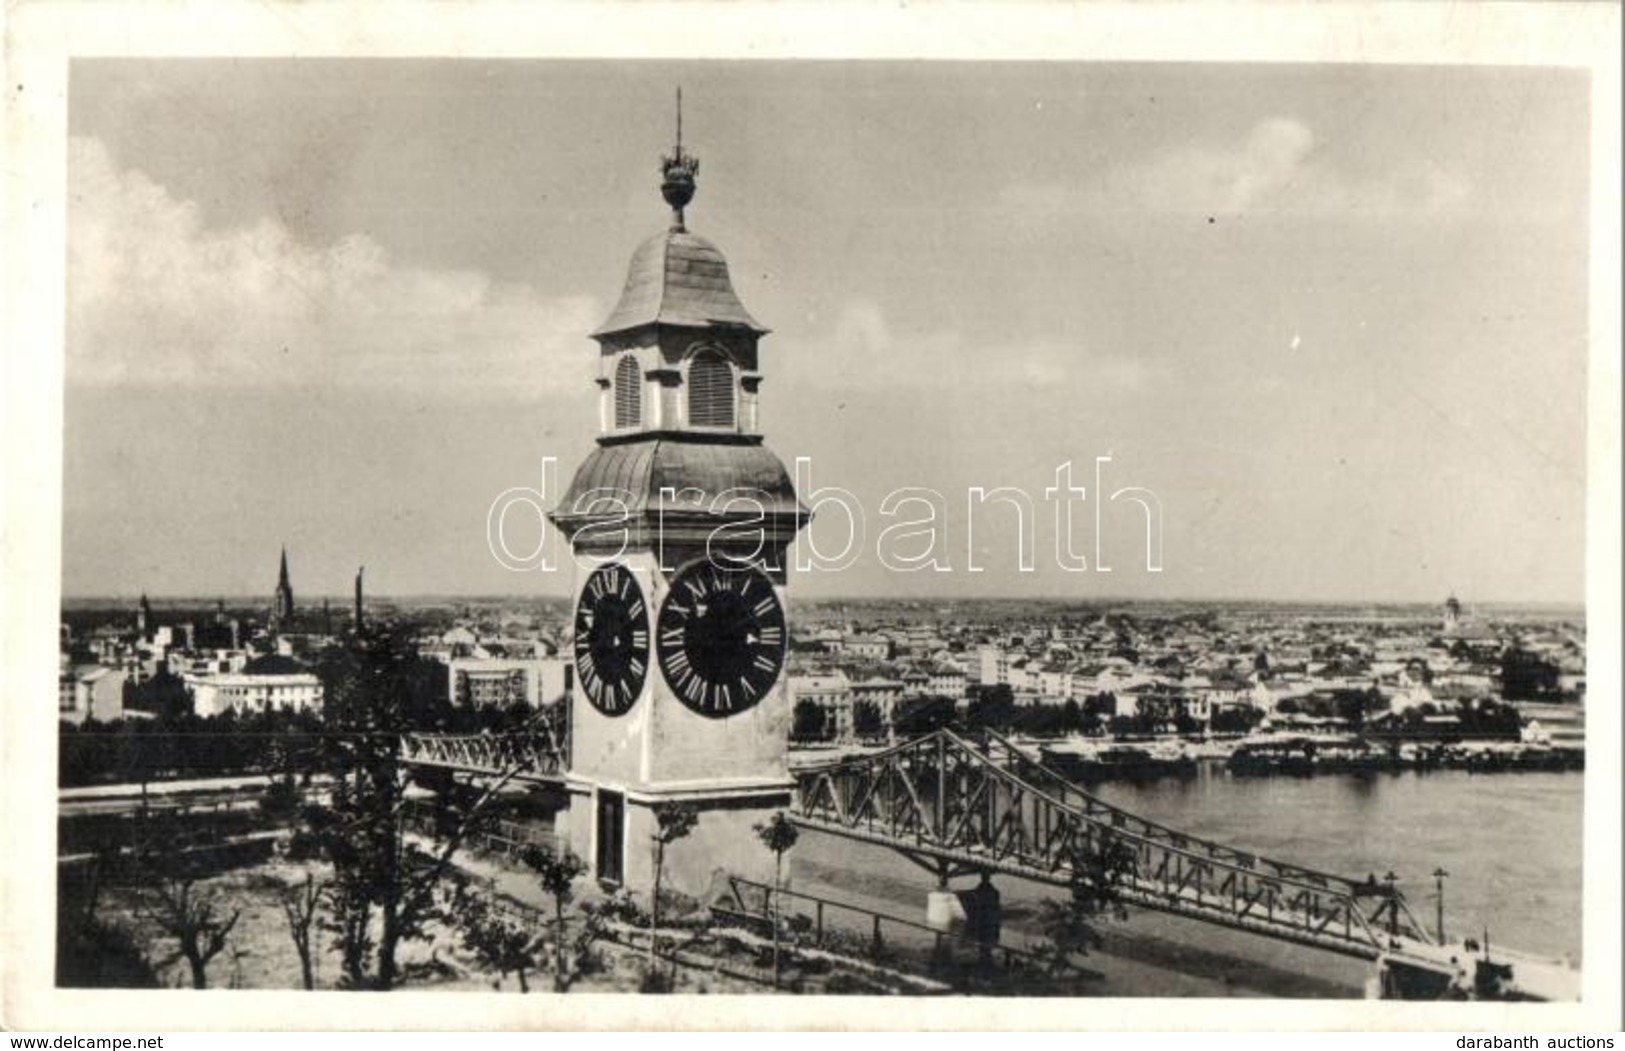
1116	761
1304	755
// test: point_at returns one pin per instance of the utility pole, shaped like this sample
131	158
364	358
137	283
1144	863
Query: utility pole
1393	903
1439	875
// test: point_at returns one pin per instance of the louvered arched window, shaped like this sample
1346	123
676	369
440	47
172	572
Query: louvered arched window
628	394
710	391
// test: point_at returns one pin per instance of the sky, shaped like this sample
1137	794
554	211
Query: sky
1333	316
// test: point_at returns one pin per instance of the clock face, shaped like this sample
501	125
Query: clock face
721	638
612	639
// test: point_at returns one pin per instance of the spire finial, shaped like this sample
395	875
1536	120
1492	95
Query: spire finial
677	173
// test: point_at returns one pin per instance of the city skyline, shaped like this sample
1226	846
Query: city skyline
1291	301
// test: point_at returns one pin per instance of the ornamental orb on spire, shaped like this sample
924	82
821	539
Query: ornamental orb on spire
677	172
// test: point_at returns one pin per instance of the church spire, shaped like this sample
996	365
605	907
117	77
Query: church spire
282	607
677	171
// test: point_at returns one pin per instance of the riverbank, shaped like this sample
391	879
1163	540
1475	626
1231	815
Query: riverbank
1095	760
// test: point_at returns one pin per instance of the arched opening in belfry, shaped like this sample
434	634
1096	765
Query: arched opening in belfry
710	390
628	394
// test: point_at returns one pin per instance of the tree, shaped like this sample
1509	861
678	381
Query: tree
1236	720
809	723
866	719
919	716
193	917
281	801
500	943
1526	676
300	904
163	695
993	708
1071	926
777	835
383	890
673	821
1071	716
557	873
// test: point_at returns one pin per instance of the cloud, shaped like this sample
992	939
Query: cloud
1275	168
156	298
862	348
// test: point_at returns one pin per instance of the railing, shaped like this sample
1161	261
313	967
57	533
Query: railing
493	837
751	904
964	808
538	750
532	754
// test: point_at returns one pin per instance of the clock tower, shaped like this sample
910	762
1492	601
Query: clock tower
679	521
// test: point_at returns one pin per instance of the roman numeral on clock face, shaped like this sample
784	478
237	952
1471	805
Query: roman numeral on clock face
720	638
611	640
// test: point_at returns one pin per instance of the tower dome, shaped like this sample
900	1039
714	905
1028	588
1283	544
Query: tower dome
678	278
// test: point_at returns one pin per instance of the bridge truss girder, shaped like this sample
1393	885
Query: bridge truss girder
956	808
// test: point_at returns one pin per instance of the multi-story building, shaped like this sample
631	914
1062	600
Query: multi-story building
830	691
484	682
248	692
868	647
90	692
883	693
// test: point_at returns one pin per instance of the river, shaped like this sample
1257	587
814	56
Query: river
1510	842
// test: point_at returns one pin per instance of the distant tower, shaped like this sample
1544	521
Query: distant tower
359	620
220	612
282	606
1452	616
327	618
143	616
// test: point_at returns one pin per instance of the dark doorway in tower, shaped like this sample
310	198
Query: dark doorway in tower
609	865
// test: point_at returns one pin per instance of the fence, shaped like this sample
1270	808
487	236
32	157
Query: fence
496	837
837	925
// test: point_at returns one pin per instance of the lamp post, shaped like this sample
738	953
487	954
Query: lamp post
1439	875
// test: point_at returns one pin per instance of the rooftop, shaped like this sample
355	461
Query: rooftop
678	278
